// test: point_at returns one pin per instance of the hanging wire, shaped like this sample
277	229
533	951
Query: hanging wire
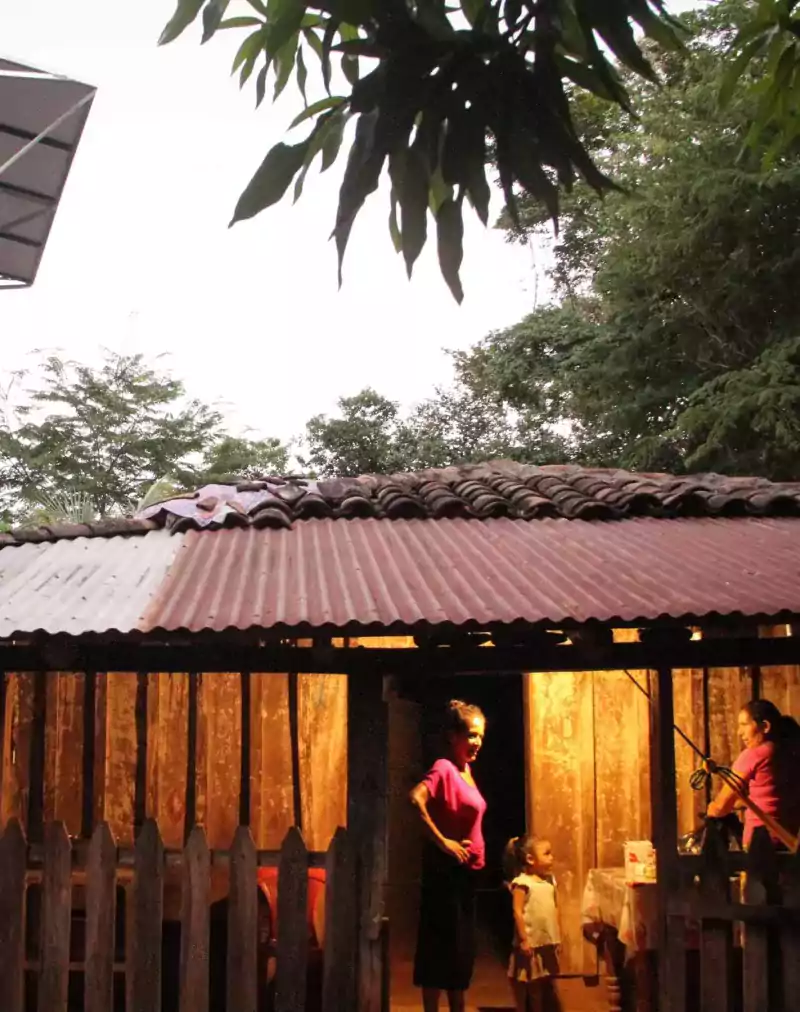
701	777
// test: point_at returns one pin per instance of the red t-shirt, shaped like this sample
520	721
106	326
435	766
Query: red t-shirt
771	785
457	809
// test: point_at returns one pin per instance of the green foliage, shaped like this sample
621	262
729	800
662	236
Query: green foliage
430	84
456	426
89	442
675	345
243	458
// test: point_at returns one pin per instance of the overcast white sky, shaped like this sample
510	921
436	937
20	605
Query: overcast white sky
140	257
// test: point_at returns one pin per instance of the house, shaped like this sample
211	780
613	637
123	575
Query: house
263	655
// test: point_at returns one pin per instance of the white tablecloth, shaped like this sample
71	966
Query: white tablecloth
631	910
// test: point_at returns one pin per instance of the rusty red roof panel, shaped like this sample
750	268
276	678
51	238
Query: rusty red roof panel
367	572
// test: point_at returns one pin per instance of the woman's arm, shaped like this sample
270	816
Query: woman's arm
420	796
519	894
723	804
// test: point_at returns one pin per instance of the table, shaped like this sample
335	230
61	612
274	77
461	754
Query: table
620	918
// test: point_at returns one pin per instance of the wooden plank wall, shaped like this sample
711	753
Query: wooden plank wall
588	764
322	724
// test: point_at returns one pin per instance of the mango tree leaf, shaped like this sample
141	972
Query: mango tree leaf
317	140
185	13
271	180
450	245
245	22
302	75
350	68
333	138
284	64
259	6
261	84
360	179
314	41
333	102
472	10
414	206
394	226
354	12
250	48
737	68
285	26
213	14
327	43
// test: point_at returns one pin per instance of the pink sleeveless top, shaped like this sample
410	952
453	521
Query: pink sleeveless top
457	809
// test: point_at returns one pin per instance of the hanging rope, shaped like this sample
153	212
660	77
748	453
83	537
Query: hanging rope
702	777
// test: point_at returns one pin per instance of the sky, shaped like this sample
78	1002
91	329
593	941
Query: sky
140	257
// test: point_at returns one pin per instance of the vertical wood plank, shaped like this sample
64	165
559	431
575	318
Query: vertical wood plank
322	747
690	717
716	936
341	929
100	920
271	762
755	960
195	923
4	759
89	747
294	738
37	758
148	909
291	979
116	721
101	751
242	956
561	794
670	933
140	774
367	820
191	756
219	734
245	778
167	760
13	859
790	938
56	917
16	761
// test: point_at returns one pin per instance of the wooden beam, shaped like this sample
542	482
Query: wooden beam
367	821
670	933
224	655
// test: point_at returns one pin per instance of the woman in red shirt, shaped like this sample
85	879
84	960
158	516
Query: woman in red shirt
451	809
767	768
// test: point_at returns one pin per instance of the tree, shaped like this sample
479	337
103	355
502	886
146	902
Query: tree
90	442
675	345
441	79
455	426
243	458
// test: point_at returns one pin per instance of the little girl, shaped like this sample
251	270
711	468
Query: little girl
537	934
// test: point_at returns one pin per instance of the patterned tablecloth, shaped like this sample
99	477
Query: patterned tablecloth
611	902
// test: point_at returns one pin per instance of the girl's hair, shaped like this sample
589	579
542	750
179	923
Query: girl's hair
783	729
515	855
459	715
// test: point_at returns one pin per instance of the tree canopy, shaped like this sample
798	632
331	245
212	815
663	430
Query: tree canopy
438	90
89	442
676	343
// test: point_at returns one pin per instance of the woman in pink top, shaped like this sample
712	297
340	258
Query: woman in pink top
767	767
451	808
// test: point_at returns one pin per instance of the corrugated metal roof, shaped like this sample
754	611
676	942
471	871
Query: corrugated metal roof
376	572
80	586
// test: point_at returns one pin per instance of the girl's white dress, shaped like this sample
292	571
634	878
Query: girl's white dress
541	927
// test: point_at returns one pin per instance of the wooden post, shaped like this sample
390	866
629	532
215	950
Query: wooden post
242	957
291	983
148	912
37	759
140	776
57	914
790	937
13	856
338	987
245	786
100	920
195	891
671	932
715	935
367	819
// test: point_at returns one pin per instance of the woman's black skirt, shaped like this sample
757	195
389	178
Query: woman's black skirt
446	938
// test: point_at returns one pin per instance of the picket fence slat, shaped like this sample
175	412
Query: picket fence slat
101	876
290	987
755	937
242	983
715	936
341	926
148	904
195	924
56	918
790	939
13	859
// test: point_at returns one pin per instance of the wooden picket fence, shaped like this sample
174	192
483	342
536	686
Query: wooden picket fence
61	866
